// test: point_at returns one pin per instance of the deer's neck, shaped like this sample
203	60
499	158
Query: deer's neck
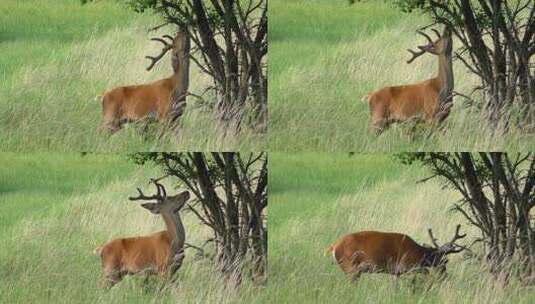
180	63
176	68
176	231
445	72
430	257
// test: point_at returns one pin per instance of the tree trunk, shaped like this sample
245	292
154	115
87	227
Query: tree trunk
498	193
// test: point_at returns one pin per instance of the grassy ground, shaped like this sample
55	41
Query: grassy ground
316	198
325	56
57	56
55	209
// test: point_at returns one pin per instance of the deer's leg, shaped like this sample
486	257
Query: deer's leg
350	270
111	277
111	268
111	113
352	273
111	126
429	115
354	277
110	121
378	117
377	127
163	112
167	269
163	119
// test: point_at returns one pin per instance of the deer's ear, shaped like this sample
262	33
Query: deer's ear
152	207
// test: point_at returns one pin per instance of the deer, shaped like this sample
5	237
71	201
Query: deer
158	253
429	99
126	104
391	253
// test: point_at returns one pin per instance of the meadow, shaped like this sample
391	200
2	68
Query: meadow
326	55
316	198
58	55
57	208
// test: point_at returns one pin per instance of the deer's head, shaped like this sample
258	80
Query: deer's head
443	45
163	203
437	256
178	45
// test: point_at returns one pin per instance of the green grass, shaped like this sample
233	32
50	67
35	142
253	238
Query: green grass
57	56
326	55
55	209
37	183
316	198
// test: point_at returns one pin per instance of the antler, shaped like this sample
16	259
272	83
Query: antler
433	239
166	48
456	237
437	33
422	48
426	36
414	55
451	246
160	196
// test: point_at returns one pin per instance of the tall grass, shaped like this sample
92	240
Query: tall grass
53	67
337	194
35	183
46	255
325	56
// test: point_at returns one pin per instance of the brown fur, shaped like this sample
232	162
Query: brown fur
373	251
421	100
131	103
158	253
135	254
400	103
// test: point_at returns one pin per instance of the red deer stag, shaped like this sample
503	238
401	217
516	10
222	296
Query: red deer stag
430	99
158	253
131	103
392	253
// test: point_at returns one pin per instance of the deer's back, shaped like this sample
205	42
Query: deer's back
406	101
385	250
137	253
137	101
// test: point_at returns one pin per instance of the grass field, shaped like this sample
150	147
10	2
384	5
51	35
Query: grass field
316	198
326	55
58	55
55	209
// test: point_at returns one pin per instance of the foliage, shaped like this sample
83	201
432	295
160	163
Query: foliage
48	99
232	191
498	194
235	62
504	61
316	86
317	197
59	207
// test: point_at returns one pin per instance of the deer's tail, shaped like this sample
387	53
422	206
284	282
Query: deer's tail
98	250
100	96
366	97
331	250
